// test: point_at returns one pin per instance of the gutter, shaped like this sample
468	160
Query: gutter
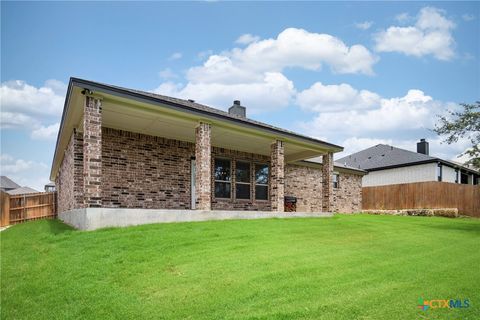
433	160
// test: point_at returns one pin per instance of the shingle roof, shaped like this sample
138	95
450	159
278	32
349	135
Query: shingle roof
336	164
22	190
190	104
382	155
7	183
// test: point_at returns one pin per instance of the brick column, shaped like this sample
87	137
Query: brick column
78	176
92	152
327	182
203	163
277	179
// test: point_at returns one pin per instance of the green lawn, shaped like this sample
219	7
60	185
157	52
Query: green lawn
345	267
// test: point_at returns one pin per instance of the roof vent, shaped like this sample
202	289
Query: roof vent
237	109
422	147
191	100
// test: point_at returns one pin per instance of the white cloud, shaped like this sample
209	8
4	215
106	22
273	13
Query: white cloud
468	17
17	96
254	74
46	133
27	107
364	25
12	120
431	35
247	38
272	92
170	88
11	165
24	172
325	98
167	73
203	54
462	157
292	48
403	17
348	120
415	110
175	56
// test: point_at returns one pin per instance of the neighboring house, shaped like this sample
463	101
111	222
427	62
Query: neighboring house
7	184
22	190
50	187
123	148
389	165
12	188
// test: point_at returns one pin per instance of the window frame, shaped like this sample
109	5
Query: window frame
336	182
249	183
222	181
255	184
439	171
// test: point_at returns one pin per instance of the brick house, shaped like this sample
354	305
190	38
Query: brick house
124	149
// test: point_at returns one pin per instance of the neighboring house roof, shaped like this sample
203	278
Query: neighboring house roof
383	156
190	105
6	183
336	165
22	190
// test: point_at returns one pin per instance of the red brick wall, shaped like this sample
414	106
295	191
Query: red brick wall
69	182
348	197
65	179
142	171
304	183
203	156
92	152
277	176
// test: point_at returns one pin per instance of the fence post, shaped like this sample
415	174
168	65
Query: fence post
4	209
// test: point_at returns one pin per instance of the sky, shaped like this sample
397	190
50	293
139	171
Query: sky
352	73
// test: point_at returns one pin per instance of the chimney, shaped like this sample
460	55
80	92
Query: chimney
237	110
422	147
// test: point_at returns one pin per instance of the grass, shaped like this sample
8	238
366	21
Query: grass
346	267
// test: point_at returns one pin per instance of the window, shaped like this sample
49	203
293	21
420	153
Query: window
463	178
456	175
439	172
222	178
336	180
261	182
242	180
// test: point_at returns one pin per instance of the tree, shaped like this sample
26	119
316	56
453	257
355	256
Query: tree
459	124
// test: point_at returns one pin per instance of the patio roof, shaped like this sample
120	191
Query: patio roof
152	114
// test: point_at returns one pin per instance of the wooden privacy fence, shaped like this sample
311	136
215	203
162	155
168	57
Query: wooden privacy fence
25	207
423	195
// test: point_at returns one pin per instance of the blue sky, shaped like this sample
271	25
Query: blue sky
355	74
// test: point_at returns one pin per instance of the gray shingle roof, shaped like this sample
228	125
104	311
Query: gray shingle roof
7	183
22	190
336	164
383	155
190	104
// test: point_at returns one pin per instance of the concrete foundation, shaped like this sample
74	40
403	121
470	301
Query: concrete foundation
97	218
